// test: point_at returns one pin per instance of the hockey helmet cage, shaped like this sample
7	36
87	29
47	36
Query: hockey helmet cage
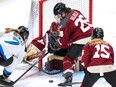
98	33
24	32
59	8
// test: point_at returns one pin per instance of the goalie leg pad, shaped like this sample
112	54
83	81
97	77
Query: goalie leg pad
58	65
49	65
54	63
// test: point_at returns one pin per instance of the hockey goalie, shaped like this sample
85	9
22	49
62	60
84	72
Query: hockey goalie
38	45
50	42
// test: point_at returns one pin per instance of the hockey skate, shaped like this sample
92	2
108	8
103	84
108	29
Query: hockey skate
68	81
5	82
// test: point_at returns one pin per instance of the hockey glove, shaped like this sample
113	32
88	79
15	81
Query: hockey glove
53	43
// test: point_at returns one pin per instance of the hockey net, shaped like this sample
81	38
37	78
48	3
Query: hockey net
41	15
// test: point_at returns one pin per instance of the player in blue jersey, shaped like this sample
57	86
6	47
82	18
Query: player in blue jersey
12	50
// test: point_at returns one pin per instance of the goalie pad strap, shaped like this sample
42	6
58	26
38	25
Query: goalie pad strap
52	57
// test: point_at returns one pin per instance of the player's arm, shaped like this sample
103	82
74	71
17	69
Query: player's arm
35	48
53	38
85	56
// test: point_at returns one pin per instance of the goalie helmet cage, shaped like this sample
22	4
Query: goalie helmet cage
46	16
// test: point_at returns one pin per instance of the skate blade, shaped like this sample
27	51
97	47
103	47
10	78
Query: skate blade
6	84
65	86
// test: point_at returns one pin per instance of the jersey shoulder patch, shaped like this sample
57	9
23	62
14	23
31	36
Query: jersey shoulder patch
74	15
14	41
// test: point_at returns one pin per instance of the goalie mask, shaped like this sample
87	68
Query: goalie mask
24	32
98	33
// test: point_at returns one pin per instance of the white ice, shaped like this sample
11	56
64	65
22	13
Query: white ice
36	78
12	15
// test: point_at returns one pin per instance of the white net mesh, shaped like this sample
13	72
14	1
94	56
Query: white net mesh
33	20
48	17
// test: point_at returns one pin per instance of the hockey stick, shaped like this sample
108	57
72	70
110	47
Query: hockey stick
28	69
29	63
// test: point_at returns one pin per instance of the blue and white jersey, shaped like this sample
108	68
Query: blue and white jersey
11	45
1	33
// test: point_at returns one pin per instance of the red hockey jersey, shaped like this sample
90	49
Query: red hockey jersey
97	52
74	27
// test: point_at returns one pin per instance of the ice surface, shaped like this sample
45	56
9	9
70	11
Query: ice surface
34	78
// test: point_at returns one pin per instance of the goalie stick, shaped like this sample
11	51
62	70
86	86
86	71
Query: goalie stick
12	83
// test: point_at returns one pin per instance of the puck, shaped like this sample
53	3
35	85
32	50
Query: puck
51	81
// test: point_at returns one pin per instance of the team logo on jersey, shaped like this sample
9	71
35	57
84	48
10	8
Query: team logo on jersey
15	41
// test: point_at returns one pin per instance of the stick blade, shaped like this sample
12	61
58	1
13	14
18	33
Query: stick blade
6	84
